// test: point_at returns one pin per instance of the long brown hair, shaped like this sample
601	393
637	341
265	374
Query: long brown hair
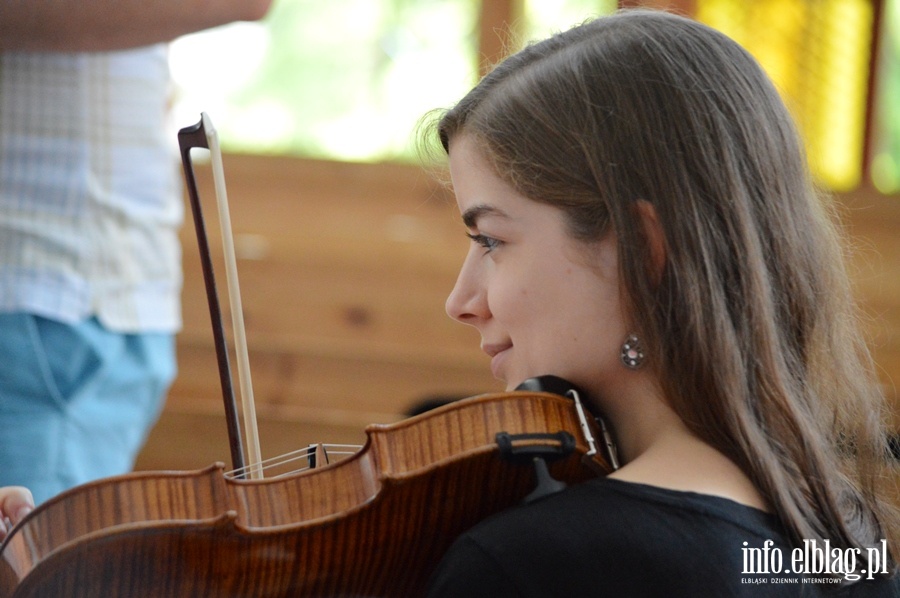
751	327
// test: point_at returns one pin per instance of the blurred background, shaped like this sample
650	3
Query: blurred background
347	247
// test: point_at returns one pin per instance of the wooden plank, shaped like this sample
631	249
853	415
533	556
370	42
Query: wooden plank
189	440
366	390
382	311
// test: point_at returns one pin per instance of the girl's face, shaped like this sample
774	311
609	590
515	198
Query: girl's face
543	302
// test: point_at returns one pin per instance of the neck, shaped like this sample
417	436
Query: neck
657	448
637	413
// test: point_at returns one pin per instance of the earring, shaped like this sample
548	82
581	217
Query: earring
632	353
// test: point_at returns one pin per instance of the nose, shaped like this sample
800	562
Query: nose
467	302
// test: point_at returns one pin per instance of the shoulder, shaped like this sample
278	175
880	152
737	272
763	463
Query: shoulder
607	514
631	538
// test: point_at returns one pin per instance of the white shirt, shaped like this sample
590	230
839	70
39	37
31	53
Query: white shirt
90	195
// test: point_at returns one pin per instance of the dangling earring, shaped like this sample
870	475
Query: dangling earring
632	353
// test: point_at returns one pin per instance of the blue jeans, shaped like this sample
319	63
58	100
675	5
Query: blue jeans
76	401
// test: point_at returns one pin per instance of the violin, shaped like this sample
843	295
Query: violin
375	523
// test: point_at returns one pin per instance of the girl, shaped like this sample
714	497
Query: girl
644	226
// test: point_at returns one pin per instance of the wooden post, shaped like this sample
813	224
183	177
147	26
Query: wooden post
878	27
498	26
683	7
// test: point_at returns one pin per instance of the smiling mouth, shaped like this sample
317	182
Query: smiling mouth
493	350
497	353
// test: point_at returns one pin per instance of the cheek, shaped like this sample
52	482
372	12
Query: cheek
588	315
512	304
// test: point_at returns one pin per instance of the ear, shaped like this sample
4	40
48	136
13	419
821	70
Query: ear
656	238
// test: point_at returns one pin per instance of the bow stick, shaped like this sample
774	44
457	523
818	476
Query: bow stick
204	135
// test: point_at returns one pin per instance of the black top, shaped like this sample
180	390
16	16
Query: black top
612	538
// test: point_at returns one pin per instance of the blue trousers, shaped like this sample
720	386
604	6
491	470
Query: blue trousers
76	401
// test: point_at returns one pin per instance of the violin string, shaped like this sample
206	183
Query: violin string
296	455
282	462
303	453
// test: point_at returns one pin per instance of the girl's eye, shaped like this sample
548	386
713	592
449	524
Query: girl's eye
489	243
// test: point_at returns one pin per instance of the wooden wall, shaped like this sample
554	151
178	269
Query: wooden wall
872	222
344	269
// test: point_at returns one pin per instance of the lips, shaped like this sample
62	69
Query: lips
497	353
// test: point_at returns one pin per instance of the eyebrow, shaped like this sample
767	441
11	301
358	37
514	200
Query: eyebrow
470	217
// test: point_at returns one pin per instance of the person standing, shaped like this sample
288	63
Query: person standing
90	207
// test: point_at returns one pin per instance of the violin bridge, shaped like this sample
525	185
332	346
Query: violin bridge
318	455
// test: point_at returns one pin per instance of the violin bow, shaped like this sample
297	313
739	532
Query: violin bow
204	135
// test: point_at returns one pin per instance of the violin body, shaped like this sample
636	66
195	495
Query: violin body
374	524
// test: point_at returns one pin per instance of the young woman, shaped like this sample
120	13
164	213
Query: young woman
643	225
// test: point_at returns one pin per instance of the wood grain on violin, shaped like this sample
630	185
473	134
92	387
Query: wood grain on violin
374	524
